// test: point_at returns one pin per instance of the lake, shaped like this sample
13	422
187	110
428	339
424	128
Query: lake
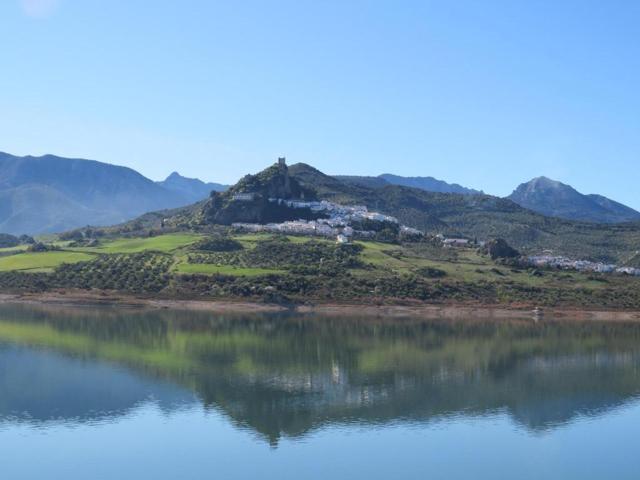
106	393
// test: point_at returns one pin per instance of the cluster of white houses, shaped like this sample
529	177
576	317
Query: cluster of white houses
337	225
338	214
564	263
299	227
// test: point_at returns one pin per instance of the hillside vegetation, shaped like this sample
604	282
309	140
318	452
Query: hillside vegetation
285	269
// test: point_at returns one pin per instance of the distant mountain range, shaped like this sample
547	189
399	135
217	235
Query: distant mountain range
52	194
555	199
428	184
542	195
192	189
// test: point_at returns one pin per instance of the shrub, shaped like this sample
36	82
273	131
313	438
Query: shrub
218	244
430	272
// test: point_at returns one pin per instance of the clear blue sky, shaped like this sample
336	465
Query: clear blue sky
484	93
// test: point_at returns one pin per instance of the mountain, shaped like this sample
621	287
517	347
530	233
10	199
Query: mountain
624	212
428	184
51	194
191	189
555	199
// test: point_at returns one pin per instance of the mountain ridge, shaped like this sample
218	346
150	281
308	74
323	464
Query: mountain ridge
192	189
556	199
429	184
48	193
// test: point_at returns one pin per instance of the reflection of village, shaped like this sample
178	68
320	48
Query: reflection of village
337	224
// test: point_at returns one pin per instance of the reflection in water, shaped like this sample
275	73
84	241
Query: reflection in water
288	375
41	387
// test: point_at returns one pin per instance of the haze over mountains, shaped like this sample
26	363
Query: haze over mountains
52	194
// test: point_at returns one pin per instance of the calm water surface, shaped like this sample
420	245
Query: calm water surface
125	394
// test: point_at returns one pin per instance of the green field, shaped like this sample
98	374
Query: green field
41	261
249	240
18	248
47	261
464	265
161	243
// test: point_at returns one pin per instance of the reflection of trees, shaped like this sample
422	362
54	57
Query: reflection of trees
288	375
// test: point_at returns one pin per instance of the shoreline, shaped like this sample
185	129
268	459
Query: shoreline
423	310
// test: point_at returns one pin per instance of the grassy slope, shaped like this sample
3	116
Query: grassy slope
224	270
41	261
46	261
171	243
463	265
161	243
11	250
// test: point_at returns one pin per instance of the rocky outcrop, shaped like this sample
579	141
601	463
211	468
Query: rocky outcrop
251	199
500	249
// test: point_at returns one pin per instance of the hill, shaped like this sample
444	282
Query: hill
250	200
192	189
481	216
553	198
51	194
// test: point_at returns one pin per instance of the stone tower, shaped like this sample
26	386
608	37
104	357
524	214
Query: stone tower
282	165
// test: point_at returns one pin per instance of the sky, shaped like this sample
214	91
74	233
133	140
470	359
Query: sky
487	94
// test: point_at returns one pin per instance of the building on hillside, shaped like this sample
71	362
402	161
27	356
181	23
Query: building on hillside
629	271
410	231
456	242
342	239
244	197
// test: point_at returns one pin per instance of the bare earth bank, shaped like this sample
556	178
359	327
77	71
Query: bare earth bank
424	310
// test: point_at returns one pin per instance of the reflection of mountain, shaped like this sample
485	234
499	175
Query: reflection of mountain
288	375
40	387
